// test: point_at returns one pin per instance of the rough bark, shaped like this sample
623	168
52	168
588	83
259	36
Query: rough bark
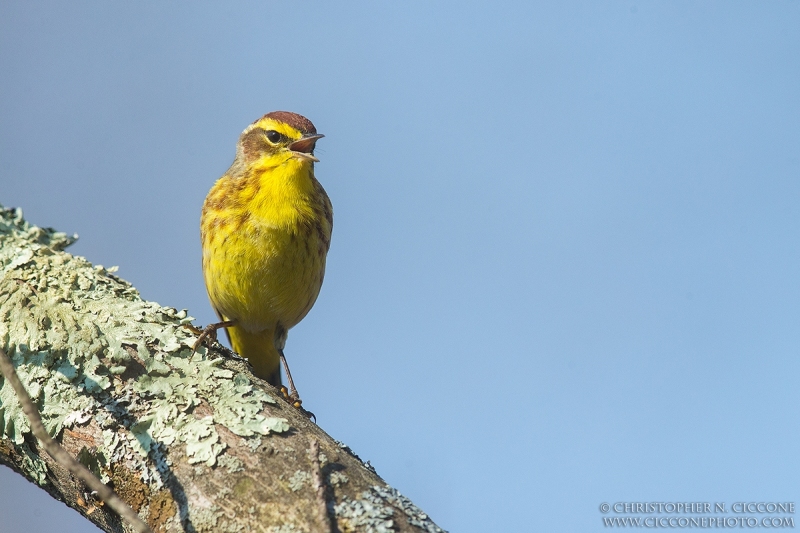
192	442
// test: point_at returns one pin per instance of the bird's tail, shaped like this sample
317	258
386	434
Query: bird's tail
259	349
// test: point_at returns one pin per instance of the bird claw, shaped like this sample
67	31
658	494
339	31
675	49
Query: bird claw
209	332
294	400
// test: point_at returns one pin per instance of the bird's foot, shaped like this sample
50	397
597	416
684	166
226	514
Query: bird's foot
294	400
207	335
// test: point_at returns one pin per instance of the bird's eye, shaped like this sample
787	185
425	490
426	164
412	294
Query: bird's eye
273	136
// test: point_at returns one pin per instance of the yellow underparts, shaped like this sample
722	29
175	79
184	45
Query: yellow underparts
265	235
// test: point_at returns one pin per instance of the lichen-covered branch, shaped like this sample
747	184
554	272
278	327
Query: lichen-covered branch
192	442
60	455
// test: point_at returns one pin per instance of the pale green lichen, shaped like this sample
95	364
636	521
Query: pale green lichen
230	463
207	515
366	514
285	528
170	419
231	527
95	461
254	443
34	465
414	515
374	511
73	330
338	478
298	480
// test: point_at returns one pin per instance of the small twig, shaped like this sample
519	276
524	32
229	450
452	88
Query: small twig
319	487
60	455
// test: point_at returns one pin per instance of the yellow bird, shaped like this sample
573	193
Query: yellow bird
265	230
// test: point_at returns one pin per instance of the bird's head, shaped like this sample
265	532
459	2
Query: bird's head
279	136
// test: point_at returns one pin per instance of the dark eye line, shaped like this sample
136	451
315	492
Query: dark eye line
275	137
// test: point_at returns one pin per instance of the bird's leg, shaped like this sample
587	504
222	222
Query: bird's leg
291	395
209	332
280	342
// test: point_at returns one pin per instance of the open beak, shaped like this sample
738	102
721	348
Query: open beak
304	146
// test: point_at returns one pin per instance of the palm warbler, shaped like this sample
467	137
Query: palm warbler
266	229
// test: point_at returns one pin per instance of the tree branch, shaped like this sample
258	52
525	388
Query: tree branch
61	456
190	442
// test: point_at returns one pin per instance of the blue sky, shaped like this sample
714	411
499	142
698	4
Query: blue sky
566	239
